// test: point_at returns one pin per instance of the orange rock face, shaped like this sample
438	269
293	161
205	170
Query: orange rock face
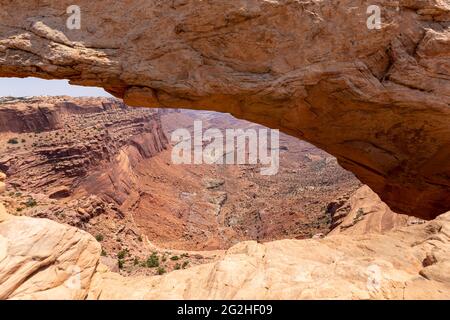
60	139
378	99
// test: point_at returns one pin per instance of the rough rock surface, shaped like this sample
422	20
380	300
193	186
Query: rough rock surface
2	182
58	140
40	259
363	212
376	99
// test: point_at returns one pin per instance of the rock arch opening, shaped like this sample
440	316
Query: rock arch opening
377	100
29	87
99	165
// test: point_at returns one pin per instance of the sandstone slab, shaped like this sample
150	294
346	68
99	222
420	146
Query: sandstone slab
41	259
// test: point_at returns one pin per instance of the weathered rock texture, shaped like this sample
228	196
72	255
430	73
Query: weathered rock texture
41	259
23	118
363	212
67	137
2	183
376	99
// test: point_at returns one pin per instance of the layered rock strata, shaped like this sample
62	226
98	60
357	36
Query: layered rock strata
377	99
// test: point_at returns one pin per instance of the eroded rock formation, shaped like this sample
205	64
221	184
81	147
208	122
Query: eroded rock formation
62	138
363	212
105	169
41	259
23	118
376	99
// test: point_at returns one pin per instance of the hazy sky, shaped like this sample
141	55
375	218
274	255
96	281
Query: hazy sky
16	87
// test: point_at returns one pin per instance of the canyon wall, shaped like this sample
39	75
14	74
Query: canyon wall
54	150
38	114
82	170
19	117
377	99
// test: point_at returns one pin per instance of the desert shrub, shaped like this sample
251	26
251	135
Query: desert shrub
359	213
161	270
13	141
177	266
136	261
122	254
139	239
153	261
121	263
185	255
103	254
175	258
185	264
99	237
30	203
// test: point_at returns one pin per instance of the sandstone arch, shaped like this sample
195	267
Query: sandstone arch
379	100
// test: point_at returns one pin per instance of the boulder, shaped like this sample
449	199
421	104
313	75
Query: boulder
41	259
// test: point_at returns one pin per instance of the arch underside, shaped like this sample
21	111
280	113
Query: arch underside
378	100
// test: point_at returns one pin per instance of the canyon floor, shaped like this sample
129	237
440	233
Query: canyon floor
89	183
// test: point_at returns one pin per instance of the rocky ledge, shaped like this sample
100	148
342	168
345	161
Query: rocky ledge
60	139
41	259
